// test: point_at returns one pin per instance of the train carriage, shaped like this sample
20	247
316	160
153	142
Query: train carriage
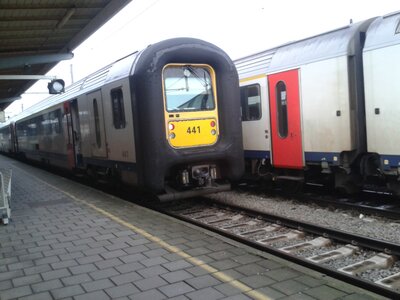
311	108
166	119
382	94
324	108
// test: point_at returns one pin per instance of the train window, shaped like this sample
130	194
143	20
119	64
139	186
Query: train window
55	120
97	122
46	124
32	129
117	102
251	102
188	88
20	129
398	28
281	104
38	125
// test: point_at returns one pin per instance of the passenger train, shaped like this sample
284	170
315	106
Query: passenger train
166	119
326	108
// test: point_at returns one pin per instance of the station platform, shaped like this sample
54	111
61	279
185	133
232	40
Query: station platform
69	241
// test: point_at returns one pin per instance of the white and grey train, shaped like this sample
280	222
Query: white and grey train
166	119
326	107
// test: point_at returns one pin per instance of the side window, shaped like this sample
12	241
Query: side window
250	98
55	120
46	124
118	111
97	122
38	121
32	127
398	28
281	104
20	129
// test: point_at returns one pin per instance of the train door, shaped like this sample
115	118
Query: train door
76	132
70	140
14	139
96	124
284	104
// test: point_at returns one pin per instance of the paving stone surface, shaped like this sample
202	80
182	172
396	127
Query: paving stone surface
69	241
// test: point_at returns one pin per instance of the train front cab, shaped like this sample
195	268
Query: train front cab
188	132
191	115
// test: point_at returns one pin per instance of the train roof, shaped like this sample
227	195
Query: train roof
114	71
383	32
148	58
338	42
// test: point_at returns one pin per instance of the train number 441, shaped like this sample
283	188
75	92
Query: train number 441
194	130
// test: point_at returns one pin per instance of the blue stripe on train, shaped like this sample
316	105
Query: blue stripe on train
387	161
330	157
309	156
390	161
256	154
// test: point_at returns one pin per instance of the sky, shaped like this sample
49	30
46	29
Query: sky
239	27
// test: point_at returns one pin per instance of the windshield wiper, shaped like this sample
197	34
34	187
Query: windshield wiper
203	81
179	89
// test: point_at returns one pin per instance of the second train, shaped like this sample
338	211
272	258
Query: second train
326	109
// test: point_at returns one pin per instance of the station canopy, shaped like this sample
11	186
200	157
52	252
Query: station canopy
36	35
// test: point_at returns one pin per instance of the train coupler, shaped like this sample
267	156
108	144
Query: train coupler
200	176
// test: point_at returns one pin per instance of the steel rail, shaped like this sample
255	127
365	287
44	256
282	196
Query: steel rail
392	213
336	235
380	204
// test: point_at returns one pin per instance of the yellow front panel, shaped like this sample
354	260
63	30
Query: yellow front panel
192	133
191	105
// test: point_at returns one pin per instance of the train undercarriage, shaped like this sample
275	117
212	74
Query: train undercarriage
365	174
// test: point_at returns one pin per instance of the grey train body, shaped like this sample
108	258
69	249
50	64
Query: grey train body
114	123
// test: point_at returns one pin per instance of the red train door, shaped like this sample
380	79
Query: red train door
284	104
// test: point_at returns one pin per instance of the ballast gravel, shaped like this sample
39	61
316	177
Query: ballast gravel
349	221
349	260
378	274
316	251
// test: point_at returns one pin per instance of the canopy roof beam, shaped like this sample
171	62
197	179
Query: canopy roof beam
24	61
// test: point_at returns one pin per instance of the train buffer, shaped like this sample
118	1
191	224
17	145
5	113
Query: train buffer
5	194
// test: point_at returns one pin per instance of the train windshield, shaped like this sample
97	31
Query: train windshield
188	88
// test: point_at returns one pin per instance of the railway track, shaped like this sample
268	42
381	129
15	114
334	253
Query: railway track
367	202
368	263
